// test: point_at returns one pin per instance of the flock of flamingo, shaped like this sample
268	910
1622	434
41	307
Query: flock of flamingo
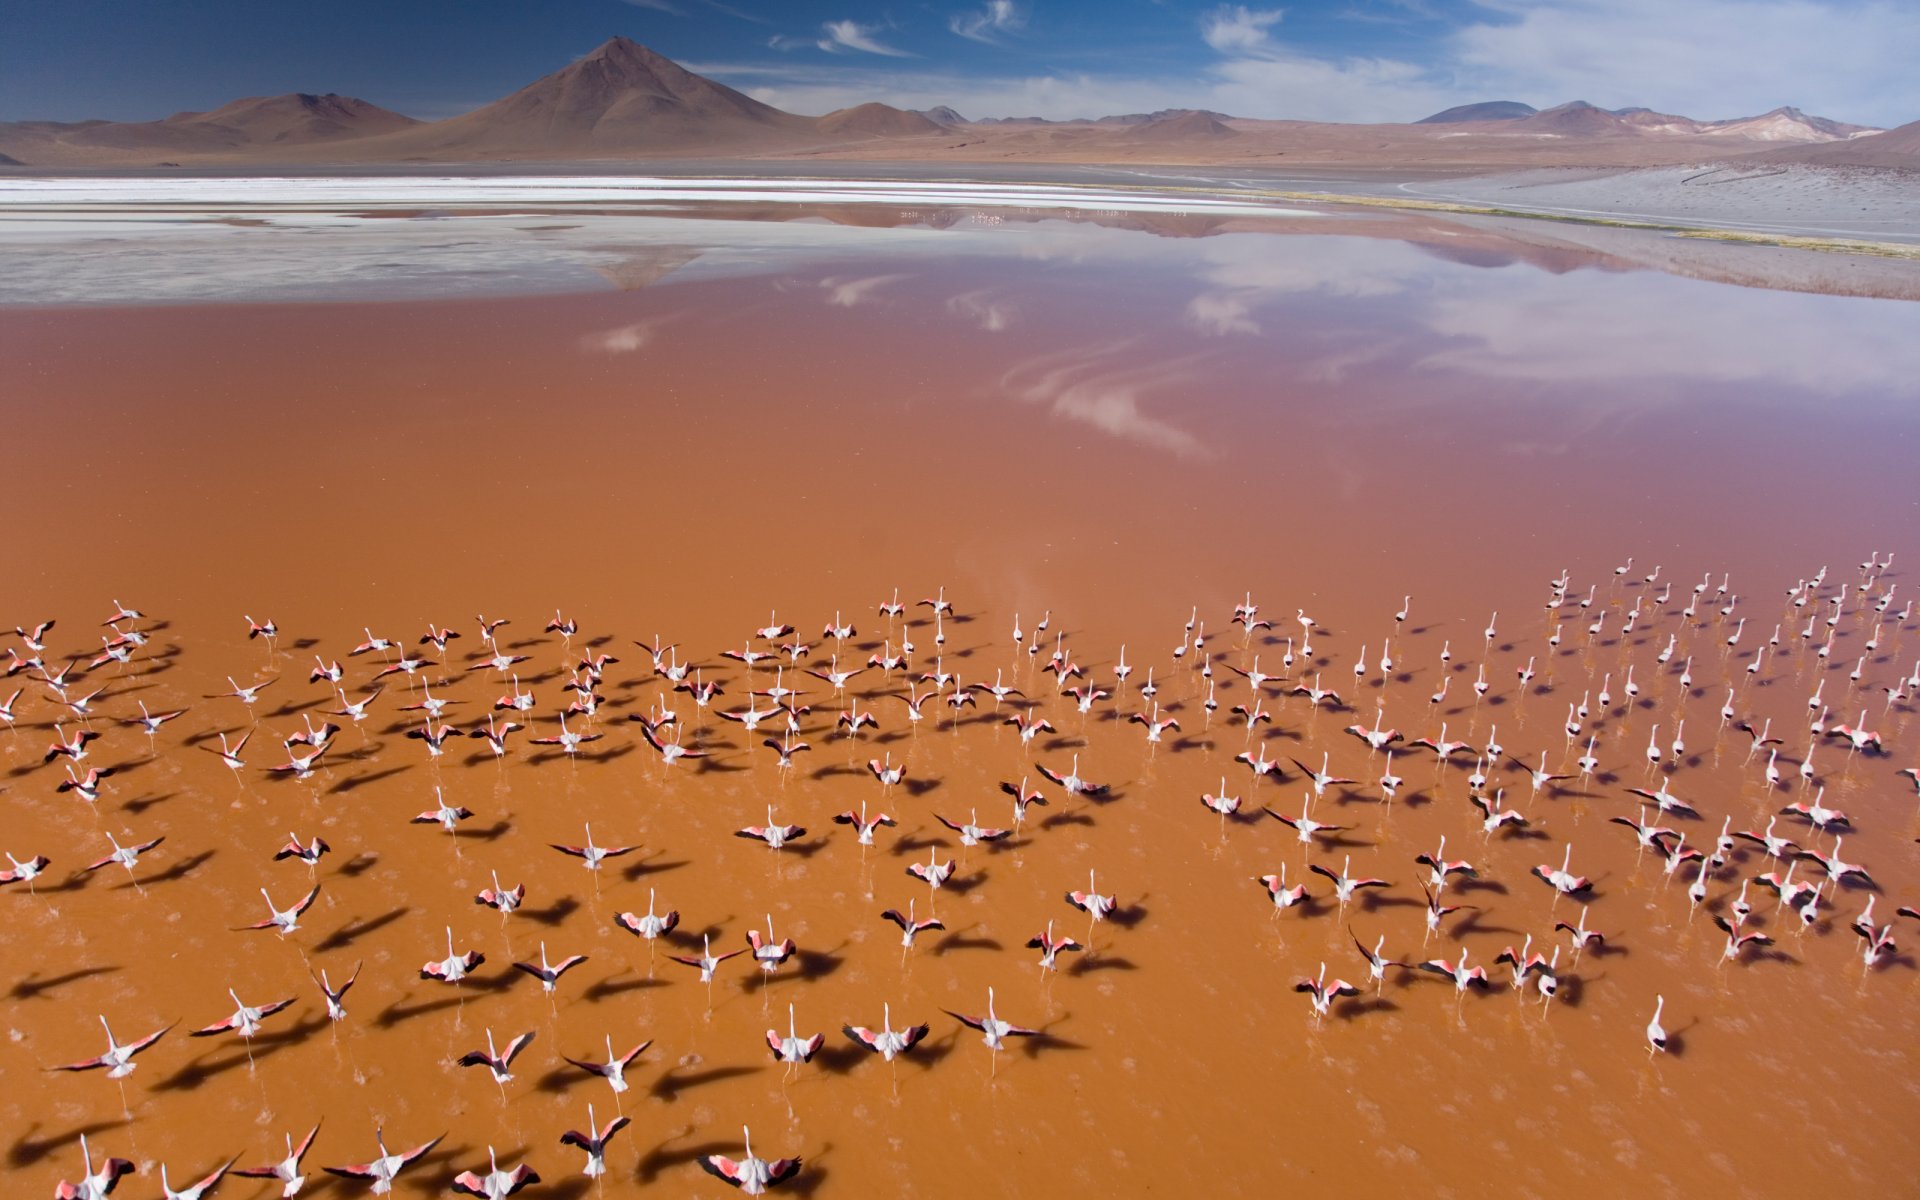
1838	637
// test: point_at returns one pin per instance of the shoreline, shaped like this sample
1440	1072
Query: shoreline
1860	211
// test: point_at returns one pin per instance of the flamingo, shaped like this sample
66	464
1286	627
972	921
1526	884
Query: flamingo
1051	947
25	872
1377	963
336	997
650	926
1737	941
245	1021
972	833
708	961
793	1050
287	1170
614	1070
286	920
769	953
1324	993
1344	885
909	927
387	1167
864	827
118	1059
505	900
1460	973
751	1175
888	1042
1304	826
590	855
1277	890
454	967
195	1191
1562	880
498	1063
549	973
94	1185
445	815
993	1031
495	1184
594	1142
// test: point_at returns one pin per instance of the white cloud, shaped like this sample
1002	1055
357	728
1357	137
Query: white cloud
1664	337
665	6
1220	313
984	25
1849	59
624	340
847	293
851	35
1092	385
983	309
1235	28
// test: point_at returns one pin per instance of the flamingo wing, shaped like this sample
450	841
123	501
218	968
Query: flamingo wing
721	1167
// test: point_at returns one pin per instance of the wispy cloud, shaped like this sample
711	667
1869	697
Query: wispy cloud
665	6
852	35
984	309
624	340
1235	28
1851	59
1096	386
1708	58
731	11
1220	313
847	293
987	24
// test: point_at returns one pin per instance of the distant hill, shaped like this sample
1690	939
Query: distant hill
297	117
623	102
1897	147
294	119
878	120
1183	126
1575	118
1486	110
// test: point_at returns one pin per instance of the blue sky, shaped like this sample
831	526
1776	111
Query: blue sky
1349	60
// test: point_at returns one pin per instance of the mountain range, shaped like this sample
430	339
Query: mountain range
623	101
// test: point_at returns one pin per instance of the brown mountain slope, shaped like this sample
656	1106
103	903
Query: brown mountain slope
878	120
621	99
1188	126
297	117
241	129
1898	147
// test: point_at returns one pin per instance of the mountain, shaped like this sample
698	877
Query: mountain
1897	147
1787	124
621	99
1486	110
242	127
1162	115
1576	118
296	117
1183	126
878	120
623	102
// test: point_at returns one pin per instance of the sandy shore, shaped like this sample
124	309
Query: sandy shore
120	238
1804	201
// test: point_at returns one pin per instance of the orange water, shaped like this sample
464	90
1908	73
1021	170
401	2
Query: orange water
1336	425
